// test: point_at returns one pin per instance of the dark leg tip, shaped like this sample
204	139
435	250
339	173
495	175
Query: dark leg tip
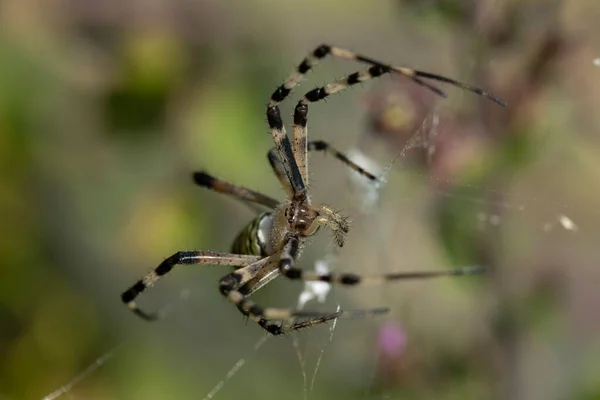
319	145
322	51
203	179
273	329
146	316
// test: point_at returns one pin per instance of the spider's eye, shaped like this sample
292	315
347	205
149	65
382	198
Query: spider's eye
289	213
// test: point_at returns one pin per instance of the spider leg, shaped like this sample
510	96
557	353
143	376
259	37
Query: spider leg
262	278
294	183
265	276
180	258
320	145
350	279
297	170
238	285
320	93
416	76
201	178
317	145
278	168
312	320
233	285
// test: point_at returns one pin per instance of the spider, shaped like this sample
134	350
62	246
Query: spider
272	243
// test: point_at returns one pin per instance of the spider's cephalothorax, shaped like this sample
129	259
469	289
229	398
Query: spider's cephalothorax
271	244
261	236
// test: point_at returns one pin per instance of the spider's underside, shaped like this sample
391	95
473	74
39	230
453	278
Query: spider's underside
272	243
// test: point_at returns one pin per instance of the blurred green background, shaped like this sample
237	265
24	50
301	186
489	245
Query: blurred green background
106	107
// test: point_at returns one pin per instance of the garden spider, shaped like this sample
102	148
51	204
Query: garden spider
272	243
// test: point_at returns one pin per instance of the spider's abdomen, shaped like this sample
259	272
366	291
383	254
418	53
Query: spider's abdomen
254	239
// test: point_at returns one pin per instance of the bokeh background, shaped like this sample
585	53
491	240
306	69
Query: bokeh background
106	107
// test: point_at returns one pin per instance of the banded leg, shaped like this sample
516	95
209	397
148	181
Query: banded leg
320	93
350	279
180	258
264	276
317	145
291	249
320	145
312	320
278	168
377	69
237	286
287	260
416	76
201	178
294	183
232	287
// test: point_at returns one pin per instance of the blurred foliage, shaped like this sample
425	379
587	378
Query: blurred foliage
107	107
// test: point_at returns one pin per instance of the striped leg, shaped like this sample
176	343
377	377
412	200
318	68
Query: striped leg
203	179
290	251
279	169
317	145
238	285
416	76
320	145
294	183
377	69
314	318
262	278
350	279
234	287
180	258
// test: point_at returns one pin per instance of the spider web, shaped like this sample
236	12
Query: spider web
368	197
69	387
392	337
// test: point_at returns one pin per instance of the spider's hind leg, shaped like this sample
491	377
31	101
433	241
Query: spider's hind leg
317	318
295	325
234	287
129	296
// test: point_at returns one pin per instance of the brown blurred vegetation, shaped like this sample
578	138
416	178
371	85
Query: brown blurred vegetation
107	107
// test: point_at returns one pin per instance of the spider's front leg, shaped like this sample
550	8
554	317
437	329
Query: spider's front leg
336	222
322	146
323	215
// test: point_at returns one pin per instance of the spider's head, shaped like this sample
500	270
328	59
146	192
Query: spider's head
305	219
